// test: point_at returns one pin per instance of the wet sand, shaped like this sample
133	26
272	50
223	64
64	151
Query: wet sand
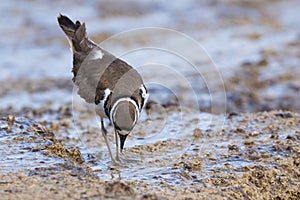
254	156
230	130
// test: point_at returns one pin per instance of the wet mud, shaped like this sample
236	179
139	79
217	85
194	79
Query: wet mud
254	155
231	131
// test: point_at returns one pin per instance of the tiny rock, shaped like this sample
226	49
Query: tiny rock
197	133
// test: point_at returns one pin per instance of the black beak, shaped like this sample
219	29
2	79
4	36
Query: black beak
122	140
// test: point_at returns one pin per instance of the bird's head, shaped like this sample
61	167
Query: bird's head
124	116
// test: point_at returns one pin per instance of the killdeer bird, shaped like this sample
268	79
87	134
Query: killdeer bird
114	87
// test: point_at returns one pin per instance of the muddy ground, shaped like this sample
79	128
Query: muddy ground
254	156
230	130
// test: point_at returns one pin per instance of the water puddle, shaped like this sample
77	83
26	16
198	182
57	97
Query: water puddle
21	148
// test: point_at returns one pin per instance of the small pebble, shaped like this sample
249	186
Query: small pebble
233	147
284	115
11	120
254	134
55	127
197	133
249	142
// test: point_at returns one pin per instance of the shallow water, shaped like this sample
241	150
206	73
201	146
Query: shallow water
166	158
22	149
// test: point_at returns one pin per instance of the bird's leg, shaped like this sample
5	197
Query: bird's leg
104	133
117	146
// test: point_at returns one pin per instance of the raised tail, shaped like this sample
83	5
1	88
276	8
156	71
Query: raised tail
76	33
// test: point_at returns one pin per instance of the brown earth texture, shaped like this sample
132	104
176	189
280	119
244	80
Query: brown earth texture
222	121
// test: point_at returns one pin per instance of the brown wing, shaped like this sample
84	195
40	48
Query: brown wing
122	80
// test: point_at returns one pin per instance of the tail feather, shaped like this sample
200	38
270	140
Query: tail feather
76	33
68	26
90	61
